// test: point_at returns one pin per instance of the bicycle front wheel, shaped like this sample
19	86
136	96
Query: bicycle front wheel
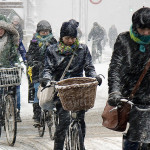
10	120
52	123
41	127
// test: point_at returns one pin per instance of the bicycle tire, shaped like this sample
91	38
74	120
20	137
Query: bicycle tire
74	139
52	124
10	120
41	127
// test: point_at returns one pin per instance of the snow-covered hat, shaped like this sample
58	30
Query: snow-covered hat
9	28
141	18
43	25
69	29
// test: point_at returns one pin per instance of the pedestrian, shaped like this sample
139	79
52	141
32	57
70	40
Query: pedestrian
97	35
57	58
35	59
130	55
9	41
112	34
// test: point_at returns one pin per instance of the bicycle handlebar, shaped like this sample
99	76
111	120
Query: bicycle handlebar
132	104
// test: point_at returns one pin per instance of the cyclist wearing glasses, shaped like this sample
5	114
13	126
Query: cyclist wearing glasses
35	59
57	58
130	55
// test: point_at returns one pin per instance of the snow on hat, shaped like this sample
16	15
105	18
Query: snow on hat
43	25
141	18
69	29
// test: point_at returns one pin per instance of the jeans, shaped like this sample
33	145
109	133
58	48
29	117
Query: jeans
36	100
18	97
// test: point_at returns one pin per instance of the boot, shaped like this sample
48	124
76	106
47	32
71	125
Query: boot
37	112
18	118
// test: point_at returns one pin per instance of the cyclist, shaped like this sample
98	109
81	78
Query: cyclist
131	53
97	35
9	41
35	59
112	34
57	58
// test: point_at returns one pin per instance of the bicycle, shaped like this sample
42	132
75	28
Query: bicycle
142	146
51	119
48	117
70	92
9	79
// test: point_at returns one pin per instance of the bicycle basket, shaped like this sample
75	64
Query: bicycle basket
77	93
10	76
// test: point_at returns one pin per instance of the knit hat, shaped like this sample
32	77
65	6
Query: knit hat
69	29
141	18
43	25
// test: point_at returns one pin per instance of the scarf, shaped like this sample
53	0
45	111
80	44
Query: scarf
43	41
140	39
67	50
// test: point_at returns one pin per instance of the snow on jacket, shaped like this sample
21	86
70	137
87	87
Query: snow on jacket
126	66
9	53
56	63
35	59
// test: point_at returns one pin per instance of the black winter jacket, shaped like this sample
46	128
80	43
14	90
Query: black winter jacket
36	60
126	66
56	63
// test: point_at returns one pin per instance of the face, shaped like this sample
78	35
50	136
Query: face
67	40
44	32
145	31
2	32
15	22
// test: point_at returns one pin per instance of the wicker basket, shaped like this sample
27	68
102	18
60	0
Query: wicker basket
77	93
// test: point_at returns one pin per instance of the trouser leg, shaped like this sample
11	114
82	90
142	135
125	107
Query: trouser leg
128	145
64	120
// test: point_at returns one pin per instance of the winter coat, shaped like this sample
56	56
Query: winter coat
56	63
126	66
9	54
35	59
96	33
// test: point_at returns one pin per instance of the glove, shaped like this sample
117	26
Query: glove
99	79
44	82
114	99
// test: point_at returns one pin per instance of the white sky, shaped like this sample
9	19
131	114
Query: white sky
106	13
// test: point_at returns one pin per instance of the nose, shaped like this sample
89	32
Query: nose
146	32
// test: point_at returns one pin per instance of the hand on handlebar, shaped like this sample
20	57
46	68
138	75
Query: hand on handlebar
114	99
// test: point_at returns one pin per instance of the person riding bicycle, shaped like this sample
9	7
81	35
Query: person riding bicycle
57	58
9	42
97	35
130	55
35	59
112	34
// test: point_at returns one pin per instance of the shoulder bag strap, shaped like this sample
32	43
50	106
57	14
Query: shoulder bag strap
66	69
140	80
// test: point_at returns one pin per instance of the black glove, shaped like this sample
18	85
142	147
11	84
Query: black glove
99	79
44	82
114	99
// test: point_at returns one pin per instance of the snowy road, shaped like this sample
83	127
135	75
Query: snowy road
97	137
